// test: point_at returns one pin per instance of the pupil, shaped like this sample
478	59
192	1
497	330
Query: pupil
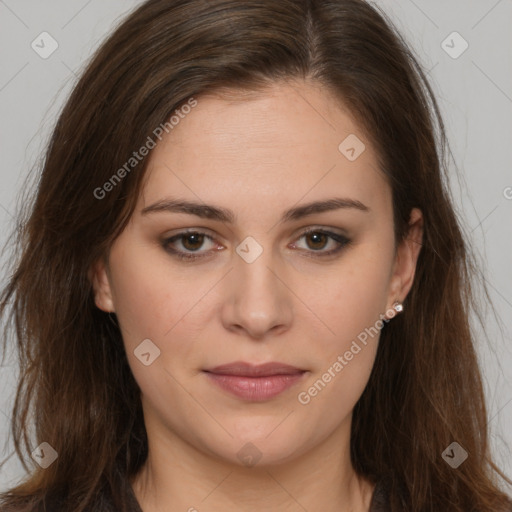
318	237
198	241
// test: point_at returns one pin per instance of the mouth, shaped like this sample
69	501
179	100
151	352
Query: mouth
243	369
255	383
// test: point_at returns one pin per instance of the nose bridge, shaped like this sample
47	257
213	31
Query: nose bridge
259	300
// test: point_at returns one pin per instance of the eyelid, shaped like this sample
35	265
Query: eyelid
342	240
321	229
339	238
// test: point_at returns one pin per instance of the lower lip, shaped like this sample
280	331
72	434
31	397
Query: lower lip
255	389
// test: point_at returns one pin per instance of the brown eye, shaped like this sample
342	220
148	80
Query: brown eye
318	240
184	245
193	241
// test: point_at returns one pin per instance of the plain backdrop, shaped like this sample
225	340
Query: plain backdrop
473	87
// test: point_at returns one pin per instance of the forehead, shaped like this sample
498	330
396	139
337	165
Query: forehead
265	147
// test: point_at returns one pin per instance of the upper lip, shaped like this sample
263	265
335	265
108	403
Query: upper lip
250	370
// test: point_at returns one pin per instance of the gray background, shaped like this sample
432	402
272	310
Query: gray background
475	95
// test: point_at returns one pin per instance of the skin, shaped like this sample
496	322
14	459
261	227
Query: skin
256	155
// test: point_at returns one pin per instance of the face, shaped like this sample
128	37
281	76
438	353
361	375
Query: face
248	283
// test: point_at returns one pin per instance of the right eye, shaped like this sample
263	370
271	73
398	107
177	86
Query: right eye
191	241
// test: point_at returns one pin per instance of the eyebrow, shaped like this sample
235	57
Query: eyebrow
224	215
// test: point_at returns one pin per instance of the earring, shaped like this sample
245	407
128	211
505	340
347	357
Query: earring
398	307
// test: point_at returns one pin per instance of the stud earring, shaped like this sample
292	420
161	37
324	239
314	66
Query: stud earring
398	307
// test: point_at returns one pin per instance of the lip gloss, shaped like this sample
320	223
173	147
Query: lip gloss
255	389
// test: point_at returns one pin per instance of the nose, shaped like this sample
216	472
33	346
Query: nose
258	300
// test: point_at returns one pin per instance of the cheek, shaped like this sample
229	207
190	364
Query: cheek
355	295
350	305
155	303
148	300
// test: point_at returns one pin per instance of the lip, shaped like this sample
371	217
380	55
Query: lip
255	383
243	369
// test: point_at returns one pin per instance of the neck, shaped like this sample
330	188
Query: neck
179	476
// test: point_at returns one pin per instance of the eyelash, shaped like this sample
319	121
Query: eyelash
342	241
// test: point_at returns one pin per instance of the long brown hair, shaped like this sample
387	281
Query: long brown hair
75	385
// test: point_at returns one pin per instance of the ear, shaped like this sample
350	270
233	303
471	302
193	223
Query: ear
406	259
99	277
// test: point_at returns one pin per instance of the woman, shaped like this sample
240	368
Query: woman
242	283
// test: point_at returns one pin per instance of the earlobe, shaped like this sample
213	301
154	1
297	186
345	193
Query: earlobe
407	257
99	278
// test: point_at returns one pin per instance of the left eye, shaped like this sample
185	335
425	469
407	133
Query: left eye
320	239
192	241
